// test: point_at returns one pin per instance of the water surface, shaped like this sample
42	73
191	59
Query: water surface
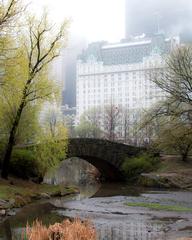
105	206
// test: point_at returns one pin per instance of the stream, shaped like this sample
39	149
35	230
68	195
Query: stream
105	205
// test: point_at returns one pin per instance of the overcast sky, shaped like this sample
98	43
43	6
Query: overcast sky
91	19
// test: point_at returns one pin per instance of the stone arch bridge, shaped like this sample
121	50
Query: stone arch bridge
105	155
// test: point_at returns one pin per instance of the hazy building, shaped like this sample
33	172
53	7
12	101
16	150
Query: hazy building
69	56
125	85
153	16
119	74
128	52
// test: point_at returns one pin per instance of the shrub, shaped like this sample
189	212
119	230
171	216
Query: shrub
23	163
66	230
133	167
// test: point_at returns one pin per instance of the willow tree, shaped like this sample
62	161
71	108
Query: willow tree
10	11
28	81
52	139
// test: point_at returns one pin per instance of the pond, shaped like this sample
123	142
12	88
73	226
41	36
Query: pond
116	211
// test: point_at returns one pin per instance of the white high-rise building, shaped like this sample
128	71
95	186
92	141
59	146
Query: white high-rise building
126	85
119	74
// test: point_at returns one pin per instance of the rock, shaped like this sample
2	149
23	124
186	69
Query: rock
12	201
44	195
4	204
2	212
11	213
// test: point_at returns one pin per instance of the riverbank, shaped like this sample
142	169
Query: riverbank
154	214
16	193
171	173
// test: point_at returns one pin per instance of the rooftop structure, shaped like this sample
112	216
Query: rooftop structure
128	52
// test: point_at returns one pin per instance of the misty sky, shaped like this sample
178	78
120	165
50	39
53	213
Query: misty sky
96	20
172	16
91	19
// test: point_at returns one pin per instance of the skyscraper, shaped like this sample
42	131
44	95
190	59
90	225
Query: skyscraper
153	16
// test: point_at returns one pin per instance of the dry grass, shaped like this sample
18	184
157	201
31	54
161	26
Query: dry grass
67	230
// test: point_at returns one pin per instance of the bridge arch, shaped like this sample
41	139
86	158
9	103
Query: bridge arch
105	155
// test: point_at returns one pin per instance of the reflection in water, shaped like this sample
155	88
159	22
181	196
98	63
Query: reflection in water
118	189
105	206
86	191
44	211
7	230
15	224
73	171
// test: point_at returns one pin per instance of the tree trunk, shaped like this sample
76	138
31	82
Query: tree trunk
7	157
185	154
11	142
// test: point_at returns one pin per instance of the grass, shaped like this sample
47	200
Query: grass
17	188
7	192
157	206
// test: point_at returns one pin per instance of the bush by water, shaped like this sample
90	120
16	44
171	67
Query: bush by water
133	167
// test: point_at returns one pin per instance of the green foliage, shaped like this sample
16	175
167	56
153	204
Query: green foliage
52	148
23	163
133	167
87	129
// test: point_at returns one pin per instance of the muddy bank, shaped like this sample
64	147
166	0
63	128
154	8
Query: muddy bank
113	218
16	193
180	180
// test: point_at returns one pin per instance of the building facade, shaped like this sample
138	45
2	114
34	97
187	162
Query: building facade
125	85
119	75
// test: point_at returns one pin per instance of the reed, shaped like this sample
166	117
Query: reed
67	230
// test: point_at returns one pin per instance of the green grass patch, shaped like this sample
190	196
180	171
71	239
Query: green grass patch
157	206
7	192
28	190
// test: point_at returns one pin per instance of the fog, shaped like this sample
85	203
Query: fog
172	17
113	20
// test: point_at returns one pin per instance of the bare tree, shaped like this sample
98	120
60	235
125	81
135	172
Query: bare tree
176	80
111	121
176	138
126	125
93	116
9	10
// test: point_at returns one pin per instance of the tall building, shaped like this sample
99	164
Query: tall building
69	71
153	16
119	74
125	85
128	52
